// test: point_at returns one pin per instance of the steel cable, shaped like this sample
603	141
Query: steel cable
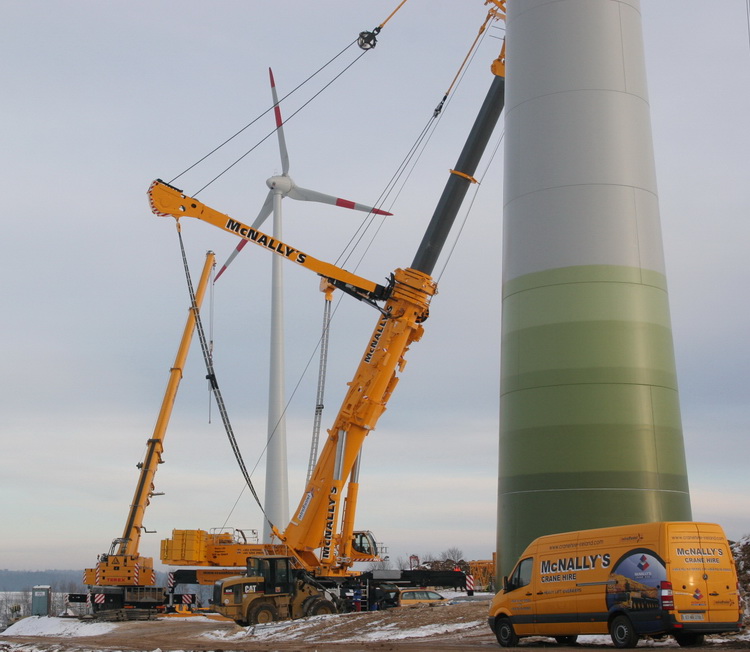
211	376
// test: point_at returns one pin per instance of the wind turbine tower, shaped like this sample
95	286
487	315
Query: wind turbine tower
590	429
276	504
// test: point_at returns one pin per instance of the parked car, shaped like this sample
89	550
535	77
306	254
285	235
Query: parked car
407	597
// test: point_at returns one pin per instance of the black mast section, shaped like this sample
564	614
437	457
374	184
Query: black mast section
457	185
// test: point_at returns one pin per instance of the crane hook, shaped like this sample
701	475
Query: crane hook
368	40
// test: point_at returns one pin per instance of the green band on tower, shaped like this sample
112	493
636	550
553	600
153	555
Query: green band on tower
591	433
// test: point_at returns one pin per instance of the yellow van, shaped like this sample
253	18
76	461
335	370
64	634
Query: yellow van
629	581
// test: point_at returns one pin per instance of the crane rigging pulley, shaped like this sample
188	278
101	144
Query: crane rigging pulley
368	40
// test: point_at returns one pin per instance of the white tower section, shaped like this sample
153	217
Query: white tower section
277	482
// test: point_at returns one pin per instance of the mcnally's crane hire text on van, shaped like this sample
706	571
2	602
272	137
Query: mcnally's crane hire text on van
706	555
588	562
651	579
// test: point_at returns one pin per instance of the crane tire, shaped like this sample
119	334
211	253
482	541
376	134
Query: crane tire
321	607
262	613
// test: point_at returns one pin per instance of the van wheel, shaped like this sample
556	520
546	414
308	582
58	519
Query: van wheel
689	639
566	640
505	633
262	614
321	607
622	632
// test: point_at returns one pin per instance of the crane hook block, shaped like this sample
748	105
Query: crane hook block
368	40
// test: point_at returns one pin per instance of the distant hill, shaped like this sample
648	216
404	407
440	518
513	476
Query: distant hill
67	581
61	581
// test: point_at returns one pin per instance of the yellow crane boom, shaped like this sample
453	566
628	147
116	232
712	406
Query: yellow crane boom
166	200
123	565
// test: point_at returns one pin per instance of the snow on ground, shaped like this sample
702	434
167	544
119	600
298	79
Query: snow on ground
606	640
413	622
49	626
192	619
393	632
340	629
459	619
664	642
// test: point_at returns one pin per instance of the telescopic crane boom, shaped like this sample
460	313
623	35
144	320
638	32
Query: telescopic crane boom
123	566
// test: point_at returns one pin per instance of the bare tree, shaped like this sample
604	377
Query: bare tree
383	564
452	554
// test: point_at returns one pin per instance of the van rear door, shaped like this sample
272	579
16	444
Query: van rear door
702	574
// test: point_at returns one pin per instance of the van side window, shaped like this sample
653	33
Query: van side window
521	575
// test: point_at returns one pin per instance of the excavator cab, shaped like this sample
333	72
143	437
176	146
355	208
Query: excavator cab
364	543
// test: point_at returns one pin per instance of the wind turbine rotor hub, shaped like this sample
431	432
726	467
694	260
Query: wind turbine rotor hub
282	184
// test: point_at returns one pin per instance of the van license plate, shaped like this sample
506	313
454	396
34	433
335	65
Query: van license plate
692	617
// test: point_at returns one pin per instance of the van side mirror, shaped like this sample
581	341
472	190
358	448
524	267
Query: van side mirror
505	583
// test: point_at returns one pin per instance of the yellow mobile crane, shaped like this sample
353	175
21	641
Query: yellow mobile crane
313	536
122	577
307	572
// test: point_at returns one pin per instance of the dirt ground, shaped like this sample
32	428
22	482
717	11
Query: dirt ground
444	628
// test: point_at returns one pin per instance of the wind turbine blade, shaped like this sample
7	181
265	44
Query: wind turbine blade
305	194
232	256
265	211
279	126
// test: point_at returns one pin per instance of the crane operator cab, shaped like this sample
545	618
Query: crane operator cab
364	544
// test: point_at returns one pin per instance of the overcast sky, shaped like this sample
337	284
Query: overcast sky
100	98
